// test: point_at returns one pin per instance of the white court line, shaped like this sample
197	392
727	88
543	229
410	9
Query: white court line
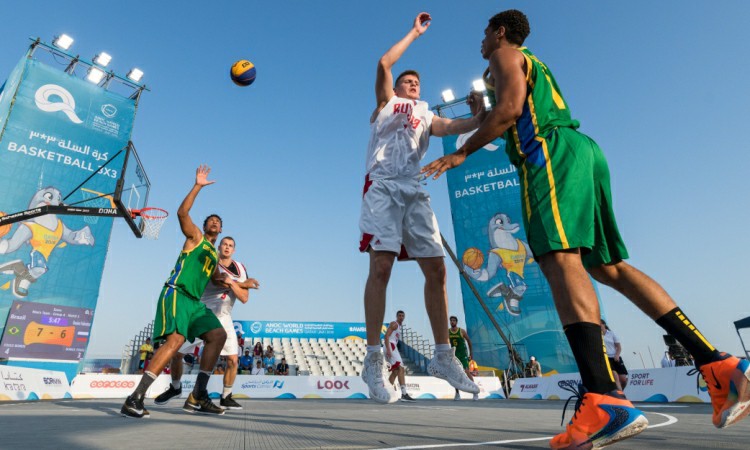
670	420
662	406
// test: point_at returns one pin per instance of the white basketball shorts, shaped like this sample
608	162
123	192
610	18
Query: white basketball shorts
395	359
231	347
397	217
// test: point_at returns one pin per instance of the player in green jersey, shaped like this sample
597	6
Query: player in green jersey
571	230
180	314
460	340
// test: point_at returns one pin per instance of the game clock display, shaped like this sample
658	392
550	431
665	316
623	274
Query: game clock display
42	331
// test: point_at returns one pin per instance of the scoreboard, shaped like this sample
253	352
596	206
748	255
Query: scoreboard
42	331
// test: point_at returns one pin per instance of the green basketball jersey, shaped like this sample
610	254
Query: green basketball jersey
543	111
458	341
193	269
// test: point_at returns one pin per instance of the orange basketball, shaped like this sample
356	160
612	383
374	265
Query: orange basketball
4	229
473	258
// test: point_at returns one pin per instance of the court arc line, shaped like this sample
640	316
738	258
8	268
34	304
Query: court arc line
670	421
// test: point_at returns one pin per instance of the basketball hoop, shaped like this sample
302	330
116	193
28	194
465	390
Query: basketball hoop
151	221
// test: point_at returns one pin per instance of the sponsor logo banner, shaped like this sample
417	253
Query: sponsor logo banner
21	383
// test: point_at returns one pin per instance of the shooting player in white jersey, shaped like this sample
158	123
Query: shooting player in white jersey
229	283
396	218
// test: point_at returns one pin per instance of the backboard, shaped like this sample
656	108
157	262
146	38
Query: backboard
132	190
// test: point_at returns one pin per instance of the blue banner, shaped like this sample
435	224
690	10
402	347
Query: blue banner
58	130
491	245
333	330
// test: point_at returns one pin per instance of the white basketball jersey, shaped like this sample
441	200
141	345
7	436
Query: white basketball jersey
219	299
396	334
399	137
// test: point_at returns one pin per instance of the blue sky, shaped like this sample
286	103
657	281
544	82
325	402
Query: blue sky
660	85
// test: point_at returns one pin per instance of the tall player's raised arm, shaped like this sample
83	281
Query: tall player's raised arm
384	76
193	234
507	69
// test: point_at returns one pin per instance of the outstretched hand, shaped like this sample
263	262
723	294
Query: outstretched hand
201	175
475	100
440	165
422	22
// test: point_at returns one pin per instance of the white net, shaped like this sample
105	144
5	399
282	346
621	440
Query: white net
93	199
152	220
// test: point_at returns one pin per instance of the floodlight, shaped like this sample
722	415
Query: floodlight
102	59
478	85
135	75
63	41
487	104
448	96
95	75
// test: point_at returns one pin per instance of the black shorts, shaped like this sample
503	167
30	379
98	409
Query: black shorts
618	366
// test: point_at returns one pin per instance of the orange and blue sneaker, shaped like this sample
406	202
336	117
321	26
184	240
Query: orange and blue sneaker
728	382
599	420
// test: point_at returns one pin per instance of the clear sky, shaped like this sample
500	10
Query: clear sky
660	85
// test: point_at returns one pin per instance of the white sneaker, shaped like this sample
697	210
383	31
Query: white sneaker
457	397
475	397
374	375
446	366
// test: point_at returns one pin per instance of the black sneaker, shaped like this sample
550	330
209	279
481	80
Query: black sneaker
168	395
407	398
133	407
229	403
202	405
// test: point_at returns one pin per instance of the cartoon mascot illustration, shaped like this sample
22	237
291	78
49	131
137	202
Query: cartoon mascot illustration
43	234
507	253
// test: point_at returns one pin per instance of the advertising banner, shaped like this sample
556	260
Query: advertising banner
317	330
485	198
58	130
21	383
249	386
671	384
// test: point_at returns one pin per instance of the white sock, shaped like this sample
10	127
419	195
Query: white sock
403	390
442	348
176	384
227	390
373	349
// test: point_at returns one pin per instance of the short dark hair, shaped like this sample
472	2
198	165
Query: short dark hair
405	73
453	317
400	312
205	221
516	25
231	239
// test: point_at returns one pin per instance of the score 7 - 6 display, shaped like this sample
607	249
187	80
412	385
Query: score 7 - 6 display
37	330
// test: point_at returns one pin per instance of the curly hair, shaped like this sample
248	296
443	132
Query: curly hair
516	25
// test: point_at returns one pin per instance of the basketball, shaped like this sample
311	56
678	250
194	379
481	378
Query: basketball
473	258
242	73
4	228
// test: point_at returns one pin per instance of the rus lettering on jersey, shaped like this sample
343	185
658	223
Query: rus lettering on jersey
406	108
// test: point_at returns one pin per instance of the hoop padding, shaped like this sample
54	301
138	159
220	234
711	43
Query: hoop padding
152	220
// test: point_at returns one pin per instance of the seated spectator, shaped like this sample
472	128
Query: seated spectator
246	361
282	368
258	369
258	351
269	360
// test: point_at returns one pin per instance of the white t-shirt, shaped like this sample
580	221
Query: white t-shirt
399	138
258	371
610	339
220	299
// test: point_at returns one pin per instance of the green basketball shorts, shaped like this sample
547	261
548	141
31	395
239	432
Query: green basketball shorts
176	312
566	199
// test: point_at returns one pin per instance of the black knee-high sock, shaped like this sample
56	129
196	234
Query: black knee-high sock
201	383
146	380
591	356
677	324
